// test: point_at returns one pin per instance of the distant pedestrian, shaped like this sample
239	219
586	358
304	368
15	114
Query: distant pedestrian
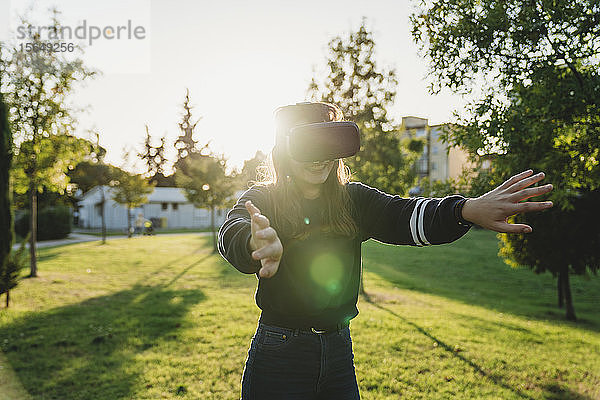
139	224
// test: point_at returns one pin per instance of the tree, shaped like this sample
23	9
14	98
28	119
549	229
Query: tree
540	110
6	218
46	174
94	172
185	144
160	180
507	41
364	93
207	185
9	273
548	126
56	156
577	251
87	175
250	171
131	190
154	157
36	84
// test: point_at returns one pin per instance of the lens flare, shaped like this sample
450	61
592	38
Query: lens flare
327	271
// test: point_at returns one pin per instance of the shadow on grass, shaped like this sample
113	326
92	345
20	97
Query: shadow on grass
470	271
89	350
557	392
161	270
230	277
186	269
203	255
46	256
552	391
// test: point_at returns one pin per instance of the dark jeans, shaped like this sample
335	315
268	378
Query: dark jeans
289	364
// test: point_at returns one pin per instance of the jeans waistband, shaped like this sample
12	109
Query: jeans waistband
305	328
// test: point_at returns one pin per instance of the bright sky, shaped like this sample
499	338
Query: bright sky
240	60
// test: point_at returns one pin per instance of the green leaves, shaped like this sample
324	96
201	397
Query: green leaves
47	162
205	180
131	190
464	39
365	92
540	110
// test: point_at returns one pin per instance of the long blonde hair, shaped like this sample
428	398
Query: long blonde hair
276	175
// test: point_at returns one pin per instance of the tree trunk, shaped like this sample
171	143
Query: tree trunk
428	160
212	227
128	222
567	295
361	286
32	227
7	297
102	217
6	223
560	291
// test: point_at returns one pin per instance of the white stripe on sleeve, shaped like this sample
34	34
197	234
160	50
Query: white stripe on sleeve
413	223
421	216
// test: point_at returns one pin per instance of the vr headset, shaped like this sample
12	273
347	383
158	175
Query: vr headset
312	133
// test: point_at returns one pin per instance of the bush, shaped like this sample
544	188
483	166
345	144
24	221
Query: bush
438	188
52	223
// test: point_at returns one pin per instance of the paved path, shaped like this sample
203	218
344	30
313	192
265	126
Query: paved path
76	237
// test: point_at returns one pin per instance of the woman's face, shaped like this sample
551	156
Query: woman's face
311	173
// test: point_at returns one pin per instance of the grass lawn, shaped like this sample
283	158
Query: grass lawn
161	317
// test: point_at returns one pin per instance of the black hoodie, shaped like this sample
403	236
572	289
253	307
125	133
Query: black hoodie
317	282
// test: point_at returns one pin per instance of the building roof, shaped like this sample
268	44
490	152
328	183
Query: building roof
159	194
171	194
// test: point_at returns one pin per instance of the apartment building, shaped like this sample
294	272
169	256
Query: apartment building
439	161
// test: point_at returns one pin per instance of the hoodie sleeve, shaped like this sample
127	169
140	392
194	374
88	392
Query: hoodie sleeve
411	221
235	232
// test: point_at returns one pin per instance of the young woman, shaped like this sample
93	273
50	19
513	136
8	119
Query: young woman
301	231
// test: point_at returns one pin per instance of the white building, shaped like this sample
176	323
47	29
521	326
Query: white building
166	206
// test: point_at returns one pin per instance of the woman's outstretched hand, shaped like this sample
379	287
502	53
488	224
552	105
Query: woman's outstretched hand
264	243
491	210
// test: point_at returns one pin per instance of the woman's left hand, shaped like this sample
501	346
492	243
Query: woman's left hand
491	210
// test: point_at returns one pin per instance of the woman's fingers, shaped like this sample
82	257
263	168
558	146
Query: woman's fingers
252	209
505	227
269	268
269	256
526	182
256	216
532	206
271	250
531	192
267	234
528	206
514	179
260	220
263	234
493	208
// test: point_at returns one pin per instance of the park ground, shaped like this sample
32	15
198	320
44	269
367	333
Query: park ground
163	317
